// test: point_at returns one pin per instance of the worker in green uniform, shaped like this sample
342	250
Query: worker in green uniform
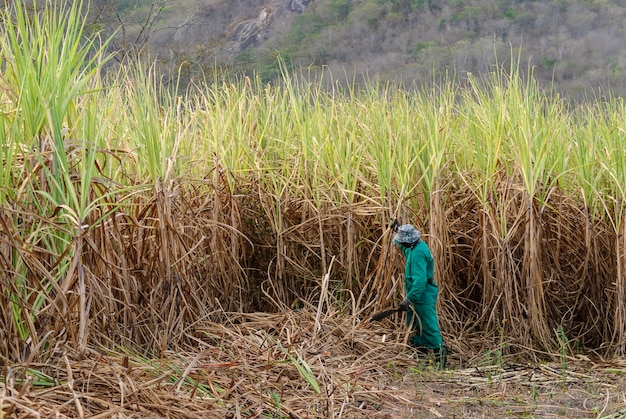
421	293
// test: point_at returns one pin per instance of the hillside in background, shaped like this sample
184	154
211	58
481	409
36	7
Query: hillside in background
575	46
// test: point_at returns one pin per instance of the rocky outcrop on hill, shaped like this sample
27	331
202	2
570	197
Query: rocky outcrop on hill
298	5
232	27
249	32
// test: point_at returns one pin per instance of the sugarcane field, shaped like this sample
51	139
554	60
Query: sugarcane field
240	249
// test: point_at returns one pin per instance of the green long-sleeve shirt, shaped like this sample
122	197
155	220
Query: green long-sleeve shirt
419	282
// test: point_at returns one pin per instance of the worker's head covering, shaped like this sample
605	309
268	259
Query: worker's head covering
406	233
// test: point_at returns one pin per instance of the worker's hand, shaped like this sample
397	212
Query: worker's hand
404	306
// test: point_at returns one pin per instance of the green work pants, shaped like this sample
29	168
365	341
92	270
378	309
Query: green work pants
425	325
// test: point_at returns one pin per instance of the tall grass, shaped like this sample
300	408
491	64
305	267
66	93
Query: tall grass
606	128
519	137
130	212
48	65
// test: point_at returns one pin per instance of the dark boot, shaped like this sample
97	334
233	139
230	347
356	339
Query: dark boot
421	350
441	357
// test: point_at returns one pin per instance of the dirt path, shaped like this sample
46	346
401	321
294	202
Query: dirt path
571	390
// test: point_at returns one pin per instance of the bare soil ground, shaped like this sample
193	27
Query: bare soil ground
299	365
576	390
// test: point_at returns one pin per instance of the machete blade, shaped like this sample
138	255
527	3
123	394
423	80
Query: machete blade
383	314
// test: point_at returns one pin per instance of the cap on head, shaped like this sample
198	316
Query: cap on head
407	234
